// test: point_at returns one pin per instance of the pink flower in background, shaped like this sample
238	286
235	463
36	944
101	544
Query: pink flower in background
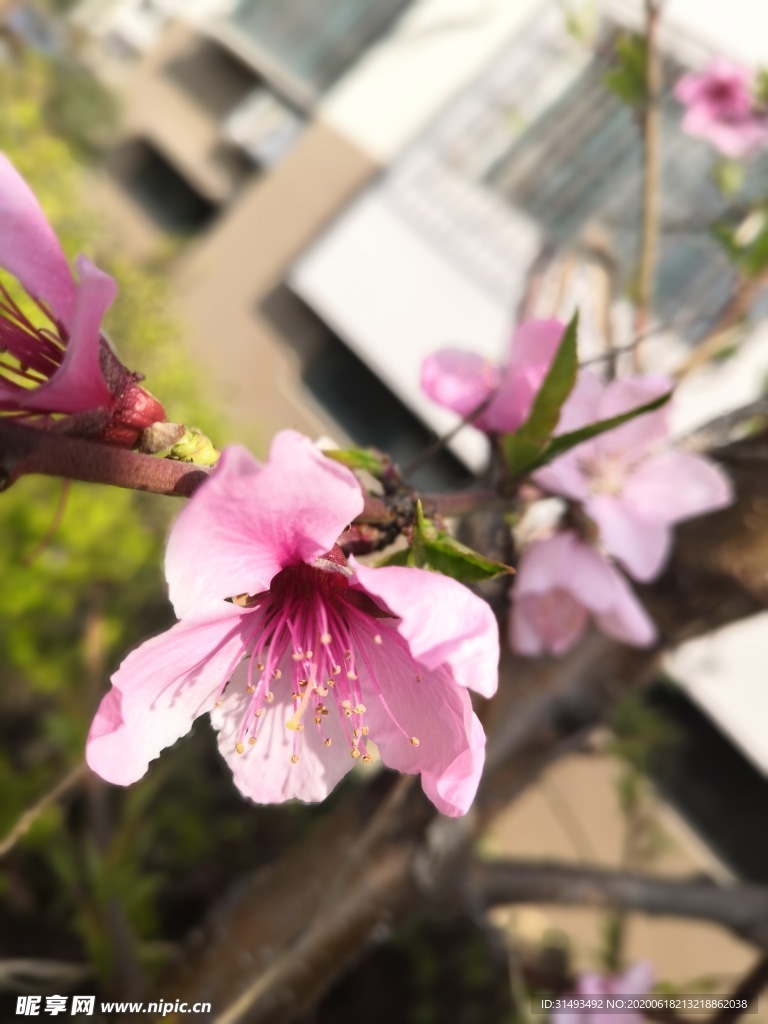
561	583
314	657
635	981
721	108
633	487
67	367
460	380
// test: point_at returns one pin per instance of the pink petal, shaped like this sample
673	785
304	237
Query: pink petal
565	476
532	349
673	486
635	438
264	771
158	691
583	404
626	620
78	385
556	619
29	248
459	380
429	706
250	521
441	620
642	546
637	980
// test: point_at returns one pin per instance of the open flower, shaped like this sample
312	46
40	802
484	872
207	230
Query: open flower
302	658
66	367
721	108
637	980
561	583
461	381
630	484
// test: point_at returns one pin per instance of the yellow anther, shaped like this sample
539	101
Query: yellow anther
252	740
355	753
322	691
219	703
328	742
251	688
377	639
277	674
346	704
359	709
259	666
269	697
325	639
259	713
239	748
294	758
336	670
309	654
298	656
367	759
295	696
364	730
317	719
414	741
352	675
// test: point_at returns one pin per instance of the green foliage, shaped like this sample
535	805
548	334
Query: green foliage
746	243
73	603
626	79
524	448
435	549
367	459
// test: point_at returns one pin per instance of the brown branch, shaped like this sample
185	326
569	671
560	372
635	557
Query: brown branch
652	170
25	450
742	909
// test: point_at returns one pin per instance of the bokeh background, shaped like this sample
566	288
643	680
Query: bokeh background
300	200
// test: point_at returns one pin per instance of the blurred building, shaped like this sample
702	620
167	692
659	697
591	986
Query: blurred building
351	184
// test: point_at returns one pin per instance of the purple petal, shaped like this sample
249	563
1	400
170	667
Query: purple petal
249	521
641	545
441	620
673	486
78	385
264	771
28	247
459	380
158	691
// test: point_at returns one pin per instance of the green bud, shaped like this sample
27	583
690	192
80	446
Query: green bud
194	447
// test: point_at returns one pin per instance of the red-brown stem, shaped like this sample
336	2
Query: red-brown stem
25	450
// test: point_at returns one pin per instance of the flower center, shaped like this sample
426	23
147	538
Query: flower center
322	637
29	355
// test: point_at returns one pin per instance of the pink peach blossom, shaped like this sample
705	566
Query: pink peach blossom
314	658
561	583
460	380
630	483
637	980
69	367
721	108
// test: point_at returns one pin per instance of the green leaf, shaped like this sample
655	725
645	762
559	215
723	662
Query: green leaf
358	458
450	557
564	442
437	550
626	80
524	447
403	556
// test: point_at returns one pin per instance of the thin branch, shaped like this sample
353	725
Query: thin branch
743	909
29	817
651	191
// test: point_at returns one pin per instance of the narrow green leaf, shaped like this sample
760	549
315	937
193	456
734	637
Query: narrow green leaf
525	446
558	384
358	458
564	442
450	557
403	556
